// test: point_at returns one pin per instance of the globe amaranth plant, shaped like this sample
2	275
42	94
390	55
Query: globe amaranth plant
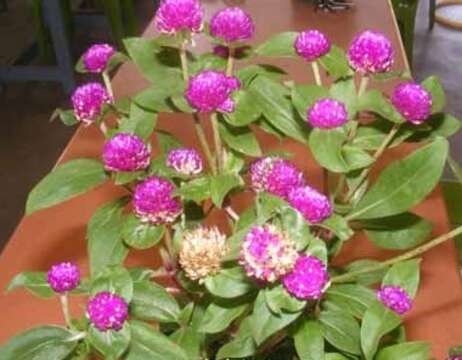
265	286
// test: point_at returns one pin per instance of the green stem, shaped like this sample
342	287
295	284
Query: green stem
316	73
230	64
203	141
363	85
169	244
406	256
107	83
340	186
376	156
184	61
65	306
217	140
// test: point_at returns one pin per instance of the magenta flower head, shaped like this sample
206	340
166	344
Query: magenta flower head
153	201
275	175
308	280
97	57
267	253
211	91
412	101
327	114
455	357
312	44
395	298
107	311
371	52
174	16
125	152
64	277
88	101
185	161
232	24
314	206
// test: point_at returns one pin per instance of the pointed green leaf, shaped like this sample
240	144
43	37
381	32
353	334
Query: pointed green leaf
309	340
341	330
281	44
35	282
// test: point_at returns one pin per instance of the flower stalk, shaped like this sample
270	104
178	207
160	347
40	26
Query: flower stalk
230	64
316	73
64	299
217	141
204	144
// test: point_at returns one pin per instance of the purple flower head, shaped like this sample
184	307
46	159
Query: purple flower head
314	206
395	298
371	52
455	357
64	277
412	101
211	91
88	101
107	311
275	175
232	24
309	278
125	152
173	16
153	201
327	114
312	44
97	57
267	253
185	161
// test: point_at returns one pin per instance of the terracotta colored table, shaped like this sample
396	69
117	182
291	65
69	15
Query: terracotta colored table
58	233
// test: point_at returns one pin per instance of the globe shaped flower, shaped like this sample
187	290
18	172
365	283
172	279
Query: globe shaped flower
371	52
395	298
413	102
185	161
153	201
327	114
267	253
455	357
312	44
211	91
97	57
308	280
174	16
125	152
231	25
88	101
201	252
275	175
63	277
314	206
107	311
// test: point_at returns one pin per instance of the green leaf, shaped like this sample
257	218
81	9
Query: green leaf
196	190
241	139
140	122
67	117
146	343
277	108
400	232
351	298
278	300
375	102
433	85
233	162
104	234
229	283
112	344
157	98
356	158
245	111
377	322
167	141
304	96
326	147
371	136
281	44
369	278
126	177
309	340
441	124
46	342
336	63
64	182
455	168
152	302
345	92
188	336
208	61
296	227
35	282
218	316
242	345
404	274
406	351
181	104
114	279
335	356
264	323
141	235
404	183
317	247
339	226
221	185
341	330
247	74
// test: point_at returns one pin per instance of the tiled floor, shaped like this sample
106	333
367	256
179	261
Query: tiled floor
30	144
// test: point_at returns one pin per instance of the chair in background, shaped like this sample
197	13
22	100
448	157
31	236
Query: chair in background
3	6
